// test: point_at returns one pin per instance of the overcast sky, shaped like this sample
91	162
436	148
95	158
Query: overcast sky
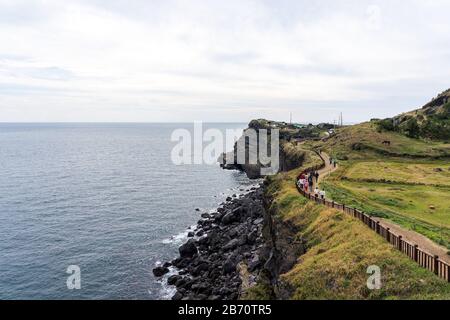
234	60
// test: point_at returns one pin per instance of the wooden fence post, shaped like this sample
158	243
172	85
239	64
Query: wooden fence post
400	243
388	235
378	227
416	253
436	265
332	204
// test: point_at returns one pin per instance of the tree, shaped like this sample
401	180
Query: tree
412	129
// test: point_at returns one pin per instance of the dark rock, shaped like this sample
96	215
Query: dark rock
180	282
229	266
231	245
182	272
177	296
188	249
200	268
200	287
258	221
232	216
181	262
242	240
160	271
251	238
167	265
203	241
208	264
173	279
254	263
200	233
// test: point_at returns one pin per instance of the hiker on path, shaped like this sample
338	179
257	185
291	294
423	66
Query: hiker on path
316	192
310	179
322	194
317	176
331	161
301	183
334	163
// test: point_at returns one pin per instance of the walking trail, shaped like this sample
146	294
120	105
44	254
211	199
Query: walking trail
411	236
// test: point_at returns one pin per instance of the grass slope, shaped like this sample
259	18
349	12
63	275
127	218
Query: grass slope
407	181
340	249
365	141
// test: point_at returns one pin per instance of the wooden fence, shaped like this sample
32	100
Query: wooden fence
423	258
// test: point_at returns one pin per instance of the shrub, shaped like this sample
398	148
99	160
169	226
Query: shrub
386	124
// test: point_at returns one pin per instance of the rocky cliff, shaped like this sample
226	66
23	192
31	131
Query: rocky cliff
291	154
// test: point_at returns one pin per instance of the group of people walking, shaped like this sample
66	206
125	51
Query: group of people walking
333	162
305	181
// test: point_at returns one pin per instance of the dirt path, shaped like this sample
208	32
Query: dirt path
411	236
328	169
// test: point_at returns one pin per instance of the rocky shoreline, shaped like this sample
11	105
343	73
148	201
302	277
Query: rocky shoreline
224	253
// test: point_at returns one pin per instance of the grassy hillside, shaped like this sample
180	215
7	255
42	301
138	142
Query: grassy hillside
340	249
432	121
365	141
406	205
406	181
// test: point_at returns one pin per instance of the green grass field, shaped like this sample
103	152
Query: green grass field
406	171
407	181
423	208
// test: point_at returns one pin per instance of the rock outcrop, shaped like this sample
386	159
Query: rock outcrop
231	236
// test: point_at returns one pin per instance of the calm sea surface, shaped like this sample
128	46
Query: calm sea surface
105	197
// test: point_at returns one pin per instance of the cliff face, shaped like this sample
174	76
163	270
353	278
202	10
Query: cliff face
291	155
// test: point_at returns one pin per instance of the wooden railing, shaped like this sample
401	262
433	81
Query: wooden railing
423	258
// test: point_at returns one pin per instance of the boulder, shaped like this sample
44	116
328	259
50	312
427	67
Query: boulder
188	249
173	279
231	245
160	271
229	266
177	296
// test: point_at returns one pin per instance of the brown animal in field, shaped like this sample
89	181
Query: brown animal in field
386	143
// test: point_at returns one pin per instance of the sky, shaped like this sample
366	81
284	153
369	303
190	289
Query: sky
220	61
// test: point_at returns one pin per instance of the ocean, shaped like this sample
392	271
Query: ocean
104	197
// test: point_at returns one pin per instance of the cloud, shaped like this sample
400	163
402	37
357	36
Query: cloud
219	60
